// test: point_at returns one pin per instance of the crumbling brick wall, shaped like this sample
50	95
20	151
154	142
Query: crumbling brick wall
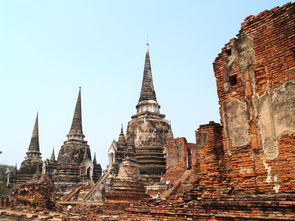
255	76
179	153
35	194
209	170
180	156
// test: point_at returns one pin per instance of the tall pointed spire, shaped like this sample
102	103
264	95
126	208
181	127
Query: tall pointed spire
121	139
122	132
76	131
94	160
52	158
34	144
147	104
147	88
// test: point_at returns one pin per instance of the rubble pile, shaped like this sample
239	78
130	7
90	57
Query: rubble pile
35	194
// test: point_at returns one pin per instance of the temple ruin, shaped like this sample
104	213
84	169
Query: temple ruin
238	169
33	162
73	168
146	137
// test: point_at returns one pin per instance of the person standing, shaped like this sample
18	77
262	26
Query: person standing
167	184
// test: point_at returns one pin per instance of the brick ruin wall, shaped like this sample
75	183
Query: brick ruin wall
255	76
209	172
180	156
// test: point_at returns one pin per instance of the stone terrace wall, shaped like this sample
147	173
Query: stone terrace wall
255	76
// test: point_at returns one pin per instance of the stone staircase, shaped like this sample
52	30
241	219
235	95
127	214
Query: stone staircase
181	184
70	195
77	194
95	193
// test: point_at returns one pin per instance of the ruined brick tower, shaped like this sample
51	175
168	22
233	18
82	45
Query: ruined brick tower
33	161
148	130
255	79
74	166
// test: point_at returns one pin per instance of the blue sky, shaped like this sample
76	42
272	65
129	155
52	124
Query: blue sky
49	48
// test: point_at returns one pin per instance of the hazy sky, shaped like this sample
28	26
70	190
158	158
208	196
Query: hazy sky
48	48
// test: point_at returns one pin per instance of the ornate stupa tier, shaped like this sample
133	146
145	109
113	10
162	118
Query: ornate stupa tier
148	108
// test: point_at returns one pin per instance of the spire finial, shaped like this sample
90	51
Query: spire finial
52	158
147	43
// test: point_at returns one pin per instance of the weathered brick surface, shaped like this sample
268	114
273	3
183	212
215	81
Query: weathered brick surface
243	168
180	156
210	168
255	75
180	153
35	194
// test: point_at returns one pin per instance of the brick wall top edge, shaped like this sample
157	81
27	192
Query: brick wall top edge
191	144
211	124
177	139
252	18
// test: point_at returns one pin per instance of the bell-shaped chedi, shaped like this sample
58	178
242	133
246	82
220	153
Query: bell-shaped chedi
144	161
33	159
74	166
148	130
147	103
74	147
